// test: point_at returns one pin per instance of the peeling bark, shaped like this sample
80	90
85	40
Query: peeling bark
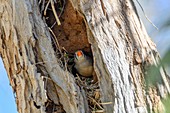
121	50
29	59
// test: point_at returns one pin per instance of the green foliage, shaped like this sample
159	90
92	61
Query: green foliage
166	103
153	77
166	58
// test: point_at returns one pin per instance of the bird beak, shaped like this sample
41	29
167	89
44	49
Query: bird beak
79	53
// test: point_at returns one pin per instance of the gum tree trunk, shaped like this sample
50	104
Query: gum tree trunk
121	52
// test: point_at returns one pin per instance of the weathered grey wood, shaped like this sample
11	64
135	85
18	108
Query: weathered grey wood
28	56
121	50
121	47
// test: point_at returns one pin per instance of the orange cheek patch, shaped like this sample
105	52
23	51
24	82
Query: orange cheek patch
79	53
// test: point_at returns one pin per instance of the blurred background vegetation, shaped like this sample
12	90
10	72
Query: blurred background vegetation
158	11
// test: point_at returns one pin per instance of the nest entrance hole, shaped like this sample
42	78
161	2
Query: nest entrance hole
71	36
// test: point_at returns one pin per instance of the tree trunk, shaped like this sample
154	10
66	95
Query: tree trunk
111	30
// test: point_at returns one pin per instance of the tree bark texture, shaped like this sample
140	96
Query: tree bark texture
121	50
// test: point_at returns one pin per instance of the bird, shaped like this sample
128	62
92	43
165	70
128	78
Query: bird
83	64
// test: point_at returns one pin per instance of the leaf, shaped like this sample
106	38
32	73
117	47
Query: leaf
166	103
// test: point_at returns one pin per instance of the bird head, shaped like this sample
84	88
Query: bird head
79	55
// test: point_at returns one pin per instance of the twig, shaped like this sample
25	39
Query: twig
96	102
59	14
45	10
55	13
64	49
106	103
99	111
53	25
62	8
55	40
79	78
146	16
